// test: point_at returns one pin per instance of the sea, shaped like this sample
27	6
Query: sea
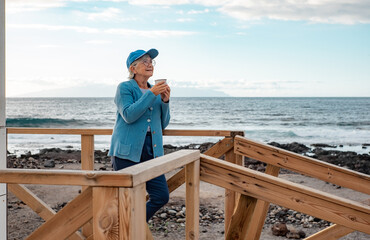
343	122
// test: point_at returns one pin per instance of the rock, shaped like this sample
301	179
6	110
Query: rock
293	147
164	215
279	229
295	233
323	145
49	164
172	212
180	220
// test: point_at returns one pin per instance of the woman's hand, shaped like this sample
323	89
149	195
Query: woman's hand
159	88
166	94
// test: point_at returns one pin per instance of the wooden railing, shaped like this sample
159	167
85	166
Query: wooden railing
247	197
223	147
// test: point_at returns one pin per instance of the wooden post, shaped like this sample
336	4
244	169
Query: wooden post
192	171
105	213
231	197
87	152
242	219
87	163
132	213
253	230
3	192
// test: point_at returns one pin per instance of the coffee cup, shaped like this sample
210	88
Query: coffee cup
160	80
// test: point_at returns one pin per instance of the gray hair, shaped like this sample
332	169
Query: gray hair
134	63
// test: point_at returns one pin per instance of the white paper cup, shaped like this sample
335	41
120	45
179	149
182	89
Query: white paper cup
160	80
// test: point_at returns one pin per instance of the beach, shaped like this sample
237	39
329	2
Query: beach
168	223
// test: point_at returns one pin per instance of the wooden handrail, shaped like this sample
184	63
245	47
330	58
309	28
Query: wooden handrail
302	164
128	177
284	193
167	132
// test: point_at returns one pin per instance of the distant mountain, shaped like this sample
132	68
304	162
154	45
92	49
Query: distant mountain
102	90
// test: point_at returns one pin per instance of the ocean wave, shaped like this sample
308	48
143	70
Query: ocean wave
43	122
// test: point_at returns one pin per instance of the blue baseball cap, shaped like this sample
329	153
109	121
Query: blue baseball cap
138	54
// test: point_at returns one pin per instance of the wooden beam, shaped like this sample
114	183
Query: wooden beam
148	170
59	131
287	194
167	132
230	196
87	163
192	200
242	219
333	232
87	152
37	205
210	133
132	213
65	177
105	213
220	148
68	219
304	165
217	150
261	210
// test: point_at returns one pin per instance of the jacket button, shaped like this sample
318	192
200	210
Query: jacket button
153	132
155	145
149	120
151	108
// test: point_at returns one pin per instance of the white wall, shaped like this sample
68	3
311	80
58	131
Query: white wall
3	197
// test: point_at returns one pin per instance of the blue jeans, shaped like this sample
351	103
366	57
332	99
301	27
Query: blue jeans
157	187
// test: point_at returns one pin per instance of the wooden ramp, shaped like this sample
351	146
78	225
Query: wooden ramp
112	205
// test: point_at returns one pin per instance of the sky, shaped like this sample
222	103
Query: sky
267	48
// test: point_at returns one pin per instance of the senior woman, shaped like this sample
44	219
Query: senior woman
142	113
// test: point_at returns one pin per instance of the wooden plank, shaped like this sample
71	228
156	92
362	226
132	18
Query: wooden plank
87	163
242	219
60	131
167	132
220	148
192	172
210	133
105	213
87	152
68	220
176	180
287	194
132	213
65	177
333	232
304	165
230	196
148	170
217	150
36	204
261	210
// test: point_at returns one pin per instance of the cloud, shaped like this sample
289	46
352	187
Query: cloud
148	33
184	20
105	15
316	11
199	11
81	29
98	42
116	31
17	6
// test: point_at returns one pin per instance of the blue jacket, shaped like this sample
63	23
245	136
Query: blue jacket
135	112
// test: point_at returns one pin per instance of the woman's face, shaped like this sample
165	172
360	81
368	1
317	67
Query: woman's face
144	67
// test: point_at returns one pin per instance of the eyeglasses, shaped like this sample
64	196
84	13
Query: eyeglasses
146	62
